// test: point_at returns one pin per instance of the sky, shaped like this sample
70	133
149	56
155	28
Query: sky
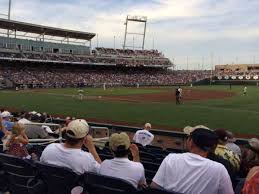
194	34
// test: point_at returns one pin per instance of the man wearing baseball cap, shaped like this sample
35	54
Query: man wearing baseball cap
6	120
251	156
223	151
192	172
70	154
121	166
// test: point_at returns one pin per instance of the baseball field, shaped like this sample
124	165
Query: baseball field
213	106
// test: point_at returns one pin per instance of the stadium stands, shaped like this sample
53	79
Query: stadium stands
20	174
56	76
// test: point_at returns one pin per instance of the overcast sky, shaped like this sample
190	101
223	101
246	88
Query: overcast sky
220	31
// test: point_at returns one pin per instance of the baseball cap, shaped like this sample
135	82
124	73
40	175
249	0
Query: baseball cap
223	134
254	144
188	129
231	137
6	114
205	139
119	139
77	129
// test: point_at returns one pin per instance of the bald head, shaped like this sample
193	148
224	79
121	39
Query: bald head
147	126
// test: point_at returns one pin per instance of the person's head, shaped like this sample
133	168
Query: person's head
223	136
253	150
6	115
202	140
17	128
147	126
68	120
76	131
119	144
231	137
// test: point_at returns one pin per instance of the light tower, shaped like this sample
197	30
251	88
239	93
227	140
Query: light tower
138	19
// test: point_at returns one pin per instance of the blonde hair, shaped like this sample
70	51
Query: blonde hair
16	128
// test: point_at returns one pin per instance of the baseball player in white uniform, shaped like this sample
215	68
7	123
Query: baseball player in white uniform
144	137
245	90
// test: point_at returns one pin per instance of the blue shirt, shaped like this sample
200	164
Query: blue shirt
8	125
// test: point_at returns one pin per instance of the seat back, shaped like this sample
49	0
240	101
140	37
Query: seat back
57	179
239	187
100	184
17	172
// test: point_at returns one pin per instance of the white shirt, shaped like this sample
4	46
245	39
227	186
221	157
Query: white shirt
125	169
77	160
192	174
24	121
144	137
180	91
234	148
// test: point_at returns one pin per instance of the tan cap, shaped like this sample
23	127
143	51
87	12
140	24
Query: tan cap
77	129
188	129
254	144
119	139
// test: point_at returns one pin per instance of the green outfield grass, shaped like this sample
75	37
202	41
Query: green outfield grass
239	113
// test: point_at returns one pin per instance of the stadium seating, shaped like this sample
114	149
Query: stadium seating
57	179
99	184
239	187
17	172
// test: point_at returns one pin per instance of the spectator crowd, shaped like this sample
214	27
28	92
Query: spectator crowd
211	164
50	76
101	56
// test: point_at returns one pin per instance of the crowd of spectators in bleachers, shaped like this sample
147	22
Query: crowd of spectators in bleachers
211	164
128	52
70	77
120	57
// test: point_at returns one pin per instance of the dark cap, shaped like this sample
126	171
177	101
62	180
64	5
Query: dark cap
223	134
205	139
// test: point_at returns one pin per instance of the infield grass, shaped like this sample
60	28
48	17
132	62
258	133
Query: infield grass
239	113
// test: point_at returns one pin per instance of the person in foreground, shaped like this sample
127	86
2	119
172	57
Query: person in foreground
192	172
70	154
121	166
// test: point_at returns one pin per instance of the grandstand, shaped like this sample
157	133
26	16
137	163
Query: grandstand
30	50
237	74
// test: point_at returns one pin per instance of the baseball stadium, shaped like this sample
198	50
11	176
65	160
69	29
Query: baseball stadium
60	93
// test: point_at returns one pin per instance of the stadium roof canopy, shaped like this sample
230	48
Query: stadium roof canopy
39	29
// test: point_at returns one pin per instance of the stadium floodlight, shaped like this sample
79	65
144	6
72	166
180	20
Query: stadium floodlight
139	19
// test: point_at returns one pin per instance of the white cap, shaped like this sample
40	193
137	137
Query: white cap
33	112
6	114
77	129
38	114
188	129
